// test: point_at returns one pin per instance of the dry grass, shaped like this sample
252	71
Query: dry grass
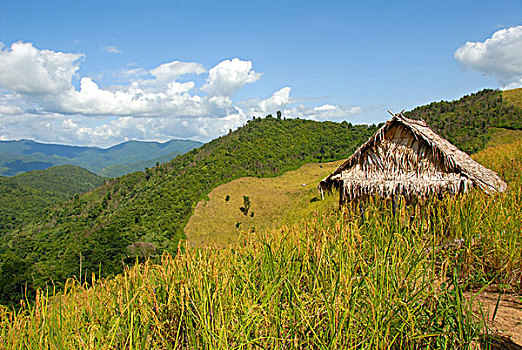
275	201
503	136
513	96
505	159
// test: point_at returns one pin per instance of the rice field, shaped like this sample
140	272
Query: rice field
335	280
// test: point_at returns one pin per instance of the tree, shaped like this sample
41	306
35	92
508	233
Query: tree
246	205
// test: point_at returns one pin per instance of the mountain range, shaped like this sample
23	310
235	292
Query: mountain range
26	155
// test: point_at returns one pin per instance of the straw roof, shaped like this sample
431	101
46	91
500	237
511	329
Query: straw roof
406	158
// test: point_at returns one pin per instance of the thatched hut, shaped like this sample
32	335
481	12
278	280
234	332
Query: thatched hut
406	158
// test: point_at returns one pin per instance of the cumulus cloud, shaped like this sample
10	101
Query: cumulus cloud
324	112
278	100
499	56
39	101
135	99
27	70
229	76
172	70
282	101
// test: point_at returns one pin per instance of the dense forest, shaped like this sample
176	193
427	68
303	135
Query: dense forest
99	230
27	196
144	213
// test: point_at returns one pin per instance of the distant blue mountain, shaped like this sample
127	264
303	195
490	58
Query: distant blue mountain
26	155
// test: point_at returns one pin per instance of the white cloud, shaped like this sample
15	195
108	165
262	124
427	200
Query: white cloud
27	70
278	100
229	76
172	70
110	49
499	56
131	72
38	100
135	99
324	112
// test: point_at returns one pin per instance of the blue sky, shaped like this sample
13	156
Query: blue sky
336	60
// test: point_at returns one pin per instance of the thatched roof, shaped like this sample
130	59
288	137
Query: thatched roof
405	157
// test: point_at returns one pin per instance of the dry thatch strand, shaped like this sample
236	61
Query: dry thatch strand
406	158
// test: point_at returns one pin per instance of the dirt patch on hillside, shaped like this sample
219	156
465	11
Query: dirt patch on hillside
507	323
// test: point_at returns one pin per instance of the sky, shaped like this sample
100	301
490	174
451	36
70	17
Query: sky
99	73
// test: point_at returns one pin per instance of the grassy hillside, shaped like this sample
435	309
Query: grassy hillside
274	201
27	196
331	281
501	136
24	155
513	96
106	226
470	121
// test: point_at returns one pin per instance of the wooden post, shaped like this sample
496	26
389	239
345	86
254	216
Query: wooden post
341	194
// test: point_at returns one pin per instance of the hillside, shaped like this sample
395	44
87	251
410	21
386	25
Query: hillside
25	155
64	181
105	226
329	281
513	96
26	197
272	200
20	204
470	121
275	201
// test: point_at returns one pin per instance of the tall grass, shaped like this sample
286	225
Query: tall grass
333	281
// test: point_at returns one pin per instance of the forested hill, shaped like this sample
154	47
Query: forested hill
150	209
469	122
25	197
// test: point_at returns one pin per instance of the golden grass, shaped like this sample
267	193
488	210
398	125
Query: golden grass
501	136
505	159
513	96
275	201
